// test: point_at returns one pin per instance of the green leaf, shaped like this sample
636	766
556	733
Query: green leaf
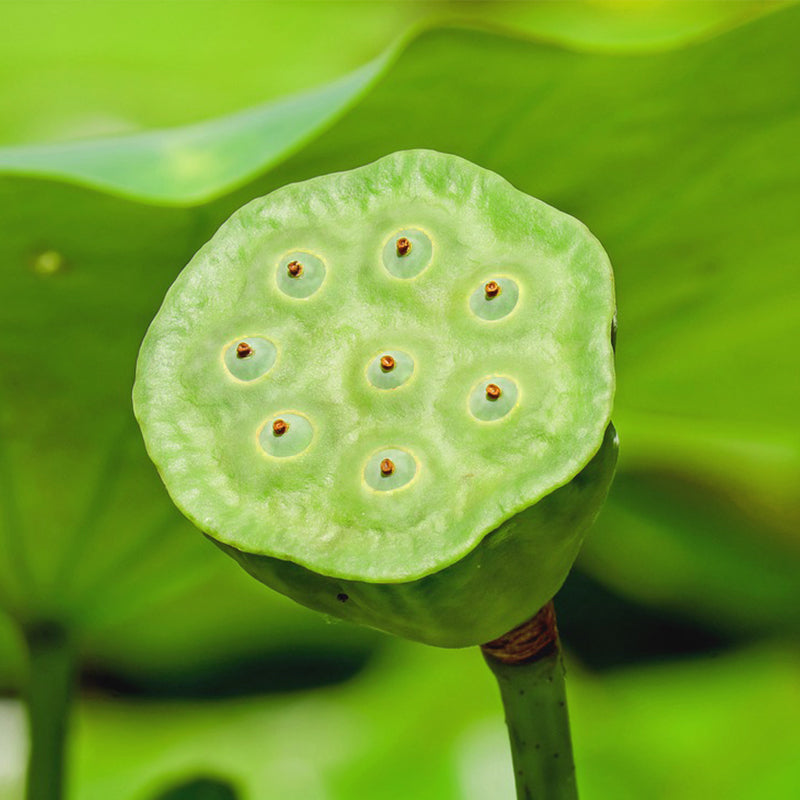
668	540
193	163
682	163
201	161
99	68
427	724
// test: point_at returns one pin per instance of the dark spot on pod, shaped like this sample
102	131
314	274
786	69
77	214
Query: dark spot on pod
295	269
387	466
555	755
243	350
492	289
279	427
614	333
342	597
387	363
493	391
403	246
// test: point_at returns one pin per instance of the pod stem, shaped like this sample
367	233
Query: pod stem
528	666
51	669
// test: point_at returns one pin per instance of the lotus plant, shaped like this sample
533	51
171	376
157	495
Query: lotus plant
387	394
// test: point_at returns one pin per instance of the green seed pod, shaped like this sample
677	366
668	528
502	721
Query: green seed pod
442	392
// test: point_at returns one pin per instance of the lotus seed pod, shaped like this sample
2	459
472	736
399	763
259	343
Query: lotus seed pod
417	437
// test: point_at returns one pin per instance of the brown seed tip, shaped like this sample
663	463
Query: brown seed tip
492	289
493	391
295	269
387	466
403	246
243	350
279	427
387	363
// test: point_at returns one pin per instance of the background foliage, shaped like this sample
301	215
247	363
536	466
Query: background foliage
671	129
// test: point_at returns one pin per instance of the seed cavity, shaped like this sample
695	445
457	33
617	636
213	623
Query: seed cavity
247	359
390	370
390	469
286	434
407	253
494	299
493	398
300	274
492	289
493	391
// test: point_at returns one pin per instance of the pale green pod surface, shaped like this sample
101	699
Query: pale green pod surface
410	456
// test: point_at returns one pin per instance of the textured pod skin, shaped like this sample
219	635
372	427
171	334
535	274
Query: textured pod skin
444	501
509	576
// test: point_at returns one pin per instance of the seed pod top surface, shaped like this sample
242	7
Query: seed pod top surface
367	372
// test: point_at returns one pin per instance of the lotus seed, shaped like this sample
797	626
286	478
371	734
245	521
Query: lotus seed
407	253
390	370
300	274
493	398
390	469
494	299
493	391
288	434
250	358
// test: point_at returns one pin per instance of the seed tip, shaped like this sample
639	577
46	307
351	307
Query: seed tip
493	391
403	246
280	426
243	350
387	363
295	269
492	289
387	467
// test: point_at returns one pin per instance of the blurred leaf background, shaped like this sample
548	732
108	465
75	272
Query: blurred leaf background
130	130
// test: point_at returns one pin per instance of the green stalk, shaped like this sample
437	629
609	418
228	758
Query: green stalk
48	695
529	670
